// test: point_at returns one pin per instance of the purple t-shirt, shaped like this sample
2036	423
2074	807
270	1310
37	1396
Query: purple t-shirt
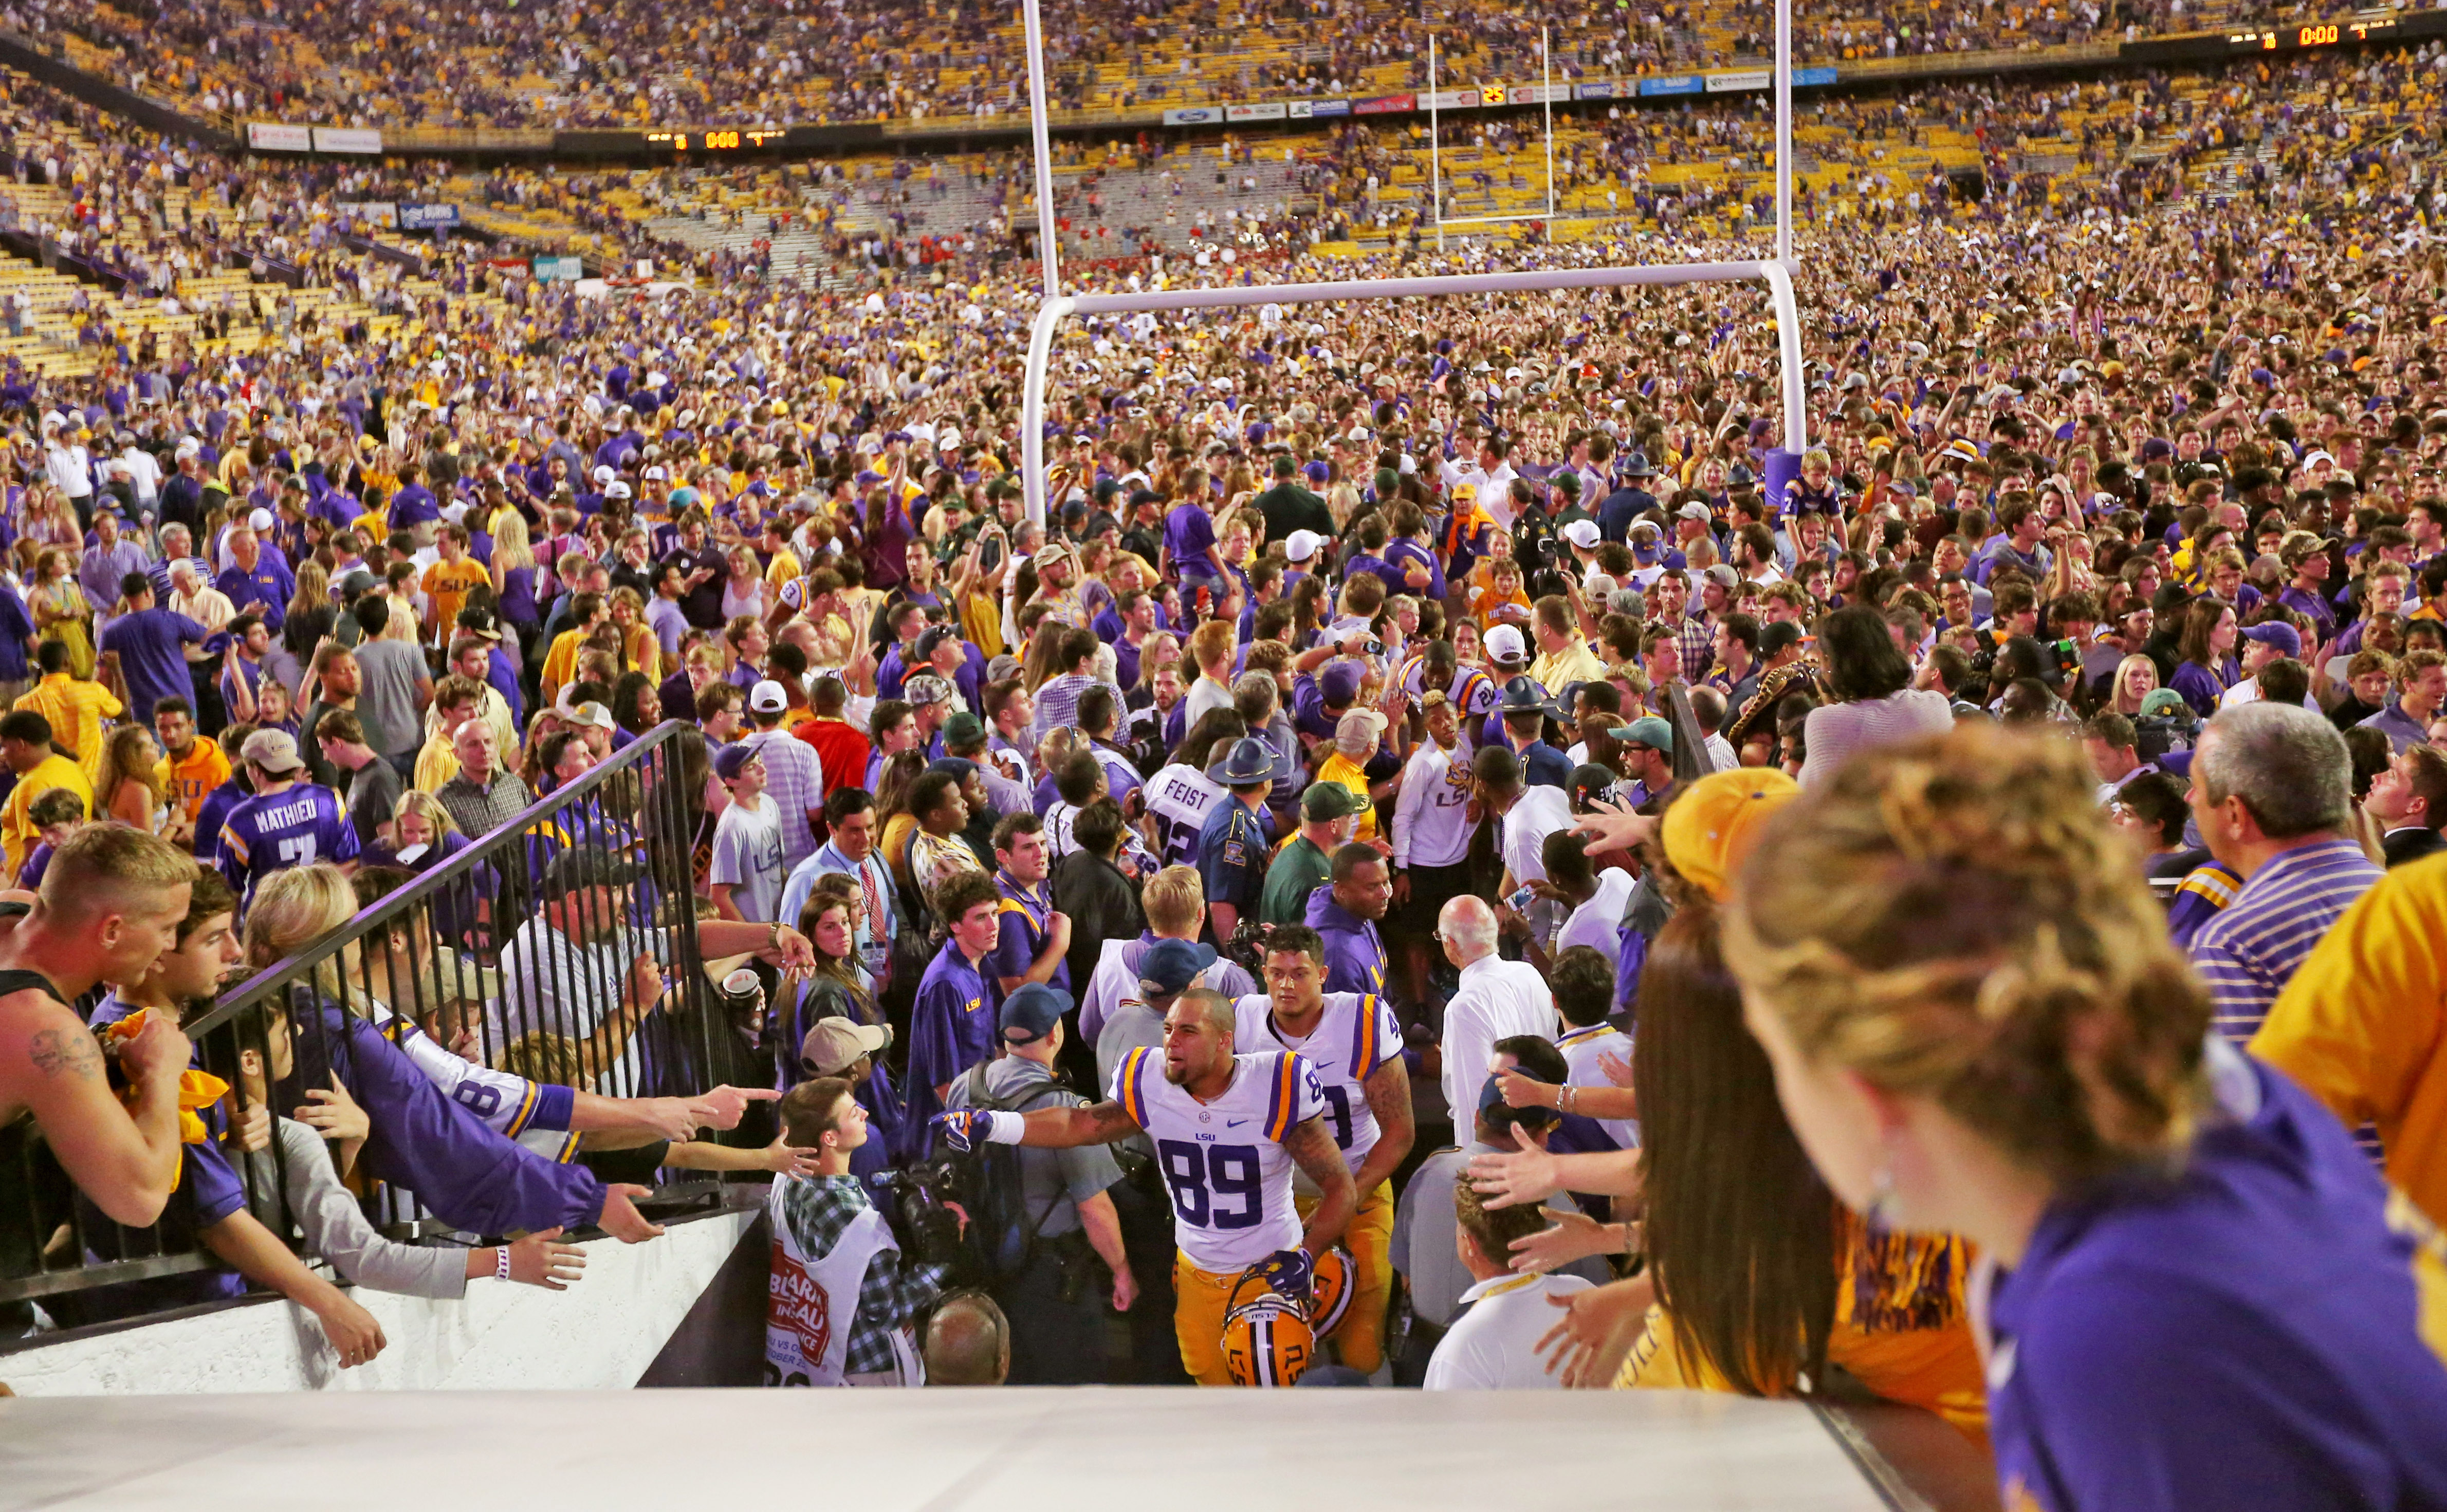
1188	535
148	645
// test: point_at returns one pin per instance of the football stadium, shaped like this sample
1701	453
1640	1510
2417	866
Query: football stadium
1424	704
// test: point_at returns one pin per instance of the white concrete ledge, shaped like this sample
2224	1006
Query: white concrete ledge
600	1334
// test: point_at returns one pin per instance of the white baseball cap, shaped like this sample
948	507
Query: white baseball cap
1302	544
1582	533
768	698
1504	644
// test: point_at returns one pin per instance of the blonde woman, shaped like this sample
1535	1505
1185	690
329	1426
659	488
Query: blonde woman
61	612
514	575
129	787
2136	678
640	649
1987	1031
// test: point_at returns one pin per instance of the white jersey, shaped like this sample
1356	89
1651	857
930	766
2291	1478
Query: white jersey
1223	1162
1431	825
536	1115
1355	1036
1582	1050
1180	797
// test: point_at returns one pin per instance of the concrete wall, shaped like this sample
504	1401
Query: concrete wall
603	1332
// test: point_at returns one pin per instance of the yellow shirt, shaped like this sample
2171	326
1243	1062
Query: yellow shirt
2362	1024
446	586
1557	671
76	710
561	663
1340	768
436	763
188	782
1912	1344
18	834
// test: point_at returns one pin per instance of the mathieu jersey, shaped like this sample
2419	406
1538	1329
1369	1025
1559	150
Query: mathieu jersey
1223	1162
1355	1035
266	834
1181	797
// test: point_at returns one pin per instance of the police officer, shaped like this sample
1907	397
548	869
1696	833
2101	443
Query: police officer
1038	1265
1233	848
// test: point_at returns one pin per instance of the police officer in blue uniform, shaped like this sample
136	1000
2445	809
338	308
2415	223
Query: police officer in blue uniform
1233	847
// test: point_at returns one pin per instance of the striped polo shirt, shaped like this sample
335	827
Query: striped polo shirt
2247	952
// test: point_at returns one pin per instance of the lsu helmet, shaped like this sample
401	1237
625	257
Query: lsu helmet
1267	1340
1330	1288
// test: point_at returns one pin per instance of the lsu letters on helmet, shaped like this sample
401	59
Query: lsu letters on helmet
1330	1288
1267	1340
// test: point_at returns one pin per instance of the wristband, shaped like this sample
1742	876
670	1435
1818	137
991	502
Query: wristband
501	1267
1005	1129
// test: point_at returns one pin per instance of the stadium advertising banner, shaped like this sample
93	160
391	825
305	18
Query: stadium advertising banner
1600	89
427	217
567	270
1813	78
1265	112
1325	107
1688	84
1384	104
1193	116
1448	99
1738	80
1536	94
372	213
343	139
266	136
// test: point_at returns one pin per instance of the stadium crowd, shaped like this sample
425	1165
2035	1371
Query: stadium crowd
572	66
1404	712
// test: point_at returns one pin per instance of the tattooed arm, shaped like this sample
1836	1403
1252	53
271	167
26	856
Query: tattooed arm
126	1160
1062	1127
1312	1148
1389	1098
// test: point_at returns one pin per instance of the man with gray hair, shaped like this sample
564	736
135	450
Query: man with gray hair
2272	793
1497	1000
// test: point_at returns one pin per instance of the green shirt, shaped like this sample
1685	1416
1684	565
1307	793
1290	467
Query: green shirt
1301	870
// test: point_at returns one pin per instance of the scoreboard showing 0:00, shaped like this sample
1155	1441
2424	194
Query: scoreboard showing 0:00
2324	34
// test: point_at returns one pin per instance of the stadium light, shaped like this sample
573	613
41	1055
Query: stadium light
1776	273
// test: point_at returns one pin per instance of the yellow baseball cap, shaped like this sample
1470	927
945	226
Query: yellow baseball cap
1710	829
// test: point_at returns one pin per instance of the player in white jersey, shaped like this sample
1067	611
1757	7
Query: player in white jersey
1229	1129
1179	797
1354	1044
1431	831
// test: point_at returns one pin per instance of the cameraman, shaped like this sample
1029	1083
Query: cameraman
1057	1210
835	1258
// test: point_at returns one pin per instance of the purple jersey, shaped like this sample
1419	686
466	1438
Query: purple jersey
271	831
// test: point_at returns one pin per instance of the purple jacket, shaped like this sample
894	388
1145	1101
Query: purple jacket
1355	951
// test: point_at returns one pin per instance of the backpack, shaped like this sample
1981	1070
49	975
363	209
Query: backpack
1002	1232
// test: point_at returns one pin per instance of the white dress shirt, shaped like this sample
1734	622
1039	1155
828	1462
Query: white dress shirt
1493	1347
1498	999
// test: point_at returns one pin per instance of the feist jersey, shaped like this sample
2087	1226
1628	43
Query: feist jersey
271	832
1223	1162
1181	797
1355	1035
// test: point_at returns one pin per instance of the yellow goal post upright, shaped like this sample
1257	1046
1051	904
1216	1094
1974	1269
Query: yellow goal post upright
1775	271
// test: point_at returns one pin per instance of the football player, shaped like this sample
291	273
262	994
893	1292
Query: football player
1355	1045
1227	1130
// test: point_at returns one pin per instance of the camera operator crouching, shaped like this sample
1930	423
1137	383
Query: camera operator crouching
844	1302
1043	1216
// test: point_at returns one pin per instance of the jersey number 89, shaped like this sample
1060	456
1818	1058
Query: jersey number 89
1201	1173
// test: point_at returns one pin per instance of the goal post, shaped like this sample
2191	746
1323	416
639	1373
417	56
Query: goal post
1776	273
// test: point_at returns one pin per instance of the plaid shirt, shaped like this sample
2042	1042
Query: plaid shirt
478	811
1697	638
794	779
2248	952
818	1209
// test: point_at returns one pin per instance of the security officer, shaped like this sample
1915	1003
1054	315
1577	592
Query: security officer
1041	1276
1232	844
